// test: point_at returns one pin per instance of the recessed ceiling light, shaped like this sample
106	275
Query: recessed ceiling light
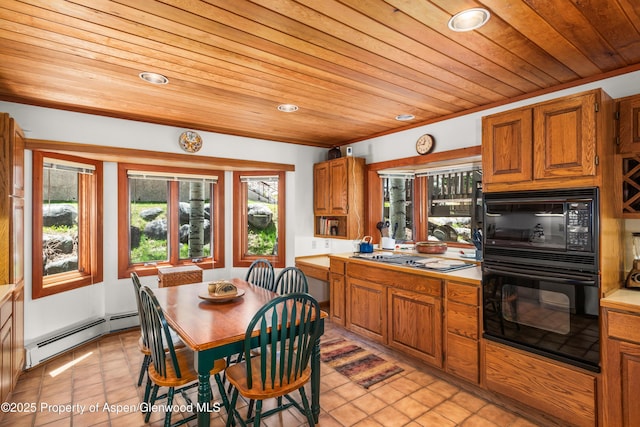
154	78
288	108
469	19
405	117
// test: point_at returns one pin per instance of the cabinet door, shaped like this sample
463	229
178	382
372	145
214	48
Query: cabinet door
337	298
507	147
366	309
623	371
321	189
339	173
630	125
564	134
17	154
17	362
6	376
415	325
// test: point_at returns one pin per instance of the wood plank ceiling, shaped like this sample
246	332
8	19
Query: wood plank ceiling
351	66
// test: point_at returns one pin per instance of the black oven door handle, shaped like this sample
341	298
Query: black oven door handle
556	277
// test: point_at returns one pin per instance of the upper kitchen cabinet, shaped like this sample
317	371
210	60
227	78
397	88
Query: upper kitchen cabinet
12	190
629	132
338	198
547	145
13	143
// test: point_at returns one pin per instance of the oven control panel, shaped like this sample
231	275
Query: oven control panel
579	226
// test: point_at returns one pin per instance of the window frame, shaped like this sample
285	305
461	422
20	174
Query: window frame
125	268
240	216
374	203
90	244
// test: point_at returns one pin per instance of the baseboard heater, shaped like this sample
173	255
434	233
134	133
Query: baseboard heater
44	348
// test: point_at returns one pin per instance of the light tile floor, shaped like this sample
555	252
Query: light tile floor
102	378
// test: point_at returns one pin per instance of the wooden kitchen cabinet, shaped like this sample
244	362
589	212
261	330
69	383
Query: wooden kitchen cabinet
338	198
337	289
11	253
545	145
396	308
367	314
462	331
629	124
415	324
621	357
565	392
6	349
17	318
628	173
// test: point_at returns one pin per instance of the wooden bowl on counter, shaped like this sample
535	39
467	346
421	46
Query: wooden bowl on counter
431	247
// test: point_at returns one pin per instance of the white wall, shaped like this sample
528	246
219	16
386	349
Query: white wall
115	296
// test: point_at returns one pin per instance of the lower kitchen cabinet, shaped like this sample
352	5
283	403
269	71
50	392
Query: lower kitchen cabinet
567	394
367	313
462	331
415	324
396	308
337	288
6	349
622	368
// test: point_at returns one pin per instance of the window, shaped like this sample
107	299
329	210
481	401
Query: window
67	223
398	206
454	204
169	217
258	212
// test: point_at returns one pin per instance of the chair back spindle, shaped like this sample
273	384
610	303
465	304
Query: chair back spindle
157	331
261	274
290	280
288	329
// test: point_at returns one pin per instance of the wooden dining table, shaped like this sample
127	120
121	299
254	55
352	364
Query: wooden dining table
215	330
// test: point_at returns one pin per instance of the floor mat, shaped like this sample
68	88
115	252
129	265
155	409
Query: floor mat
356	363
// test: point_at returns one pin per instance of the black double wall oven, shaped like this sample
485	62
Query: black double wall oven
540	281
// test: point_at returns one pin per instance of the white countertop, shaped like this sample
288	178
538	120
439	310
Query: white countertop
623	299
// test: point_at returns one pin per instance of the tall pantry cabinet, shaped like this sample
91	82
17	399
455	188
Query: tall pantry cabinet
11	254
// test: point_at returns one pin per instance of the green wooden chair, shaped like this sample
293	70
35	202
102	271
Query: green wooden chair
142	342
261	274
170	367
287	329
291	279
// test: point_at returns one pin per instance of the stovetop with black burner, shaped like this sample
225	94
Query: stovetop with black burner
428	263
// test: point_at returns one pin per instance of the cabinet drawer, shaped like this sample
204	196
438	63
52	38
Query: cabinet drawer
466	294
624	326
462	319
397	279
336	266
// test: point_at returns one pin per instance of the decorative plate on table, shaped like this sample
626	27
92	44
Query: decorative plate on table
205	295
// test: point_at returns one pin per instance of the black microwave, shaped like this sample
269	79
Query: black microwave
551	228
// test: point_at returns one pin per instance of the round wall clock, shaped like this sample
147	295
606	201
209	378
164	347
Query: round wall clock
190	141
424	144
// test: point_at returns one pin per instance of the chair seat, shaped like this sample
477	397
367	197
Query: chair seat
237	376
185	363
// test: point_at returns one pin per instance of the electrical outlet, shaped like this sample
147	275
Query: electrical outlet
326	243
314	244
